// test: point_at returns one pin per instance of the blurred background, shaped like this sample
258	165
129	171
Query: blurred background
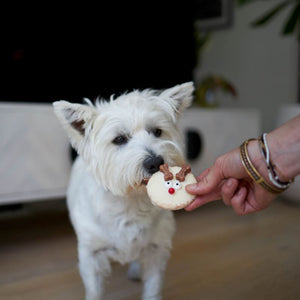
243	56
54	51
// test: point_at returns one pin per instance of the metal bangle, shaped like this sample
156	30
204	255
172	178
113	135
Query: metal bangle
270	166
252	172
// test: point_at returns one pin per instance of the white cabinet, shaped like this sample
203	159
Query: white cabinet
35	159
34	153
220	130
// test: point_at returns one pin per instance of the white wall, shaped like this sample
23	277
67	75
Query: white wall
261	63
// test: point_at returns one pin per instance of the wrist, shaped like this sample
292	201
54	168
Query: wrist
258	159
273	160
284	144
257	173
253	173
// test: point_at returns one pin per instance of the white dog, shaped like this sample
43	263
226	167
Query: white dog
120	142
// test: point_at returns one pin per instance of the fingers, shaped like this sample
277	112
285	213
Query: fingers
204	189
203	174
201	200
232	196
250	200
197	202
229	189
239	201
210	183
207	181
194	188
236	196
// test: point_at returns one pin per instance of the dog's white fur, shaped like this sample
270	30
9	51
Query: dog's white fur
109	208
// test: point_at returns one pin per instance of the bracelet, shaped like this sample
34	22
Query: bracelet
270	166
253	173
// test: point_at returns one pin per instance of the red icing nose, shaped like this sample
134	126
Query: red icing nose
171	191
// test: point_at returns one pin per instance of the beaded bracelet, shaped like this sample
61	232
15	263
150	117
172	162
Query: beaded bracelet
270	166
253	173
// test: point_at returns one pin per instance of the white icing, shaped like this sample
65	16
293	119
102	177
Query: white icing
177	185
158	190
168	184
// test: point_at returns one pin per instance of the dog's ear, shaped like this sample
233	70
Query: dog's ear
180	96
77	119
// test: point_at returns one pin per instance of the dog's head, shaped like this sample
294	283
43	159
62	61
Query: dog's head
126	139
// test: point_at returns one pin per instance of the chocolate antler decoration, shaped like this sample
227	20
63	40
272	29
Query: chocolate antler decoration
185	169
165	169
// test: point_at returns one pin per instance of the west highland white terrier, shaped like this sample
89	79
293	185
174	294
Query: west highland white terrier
120	142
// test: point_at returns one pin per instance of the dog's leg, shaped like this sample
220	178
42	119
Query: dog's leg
134	271
154	262
94	266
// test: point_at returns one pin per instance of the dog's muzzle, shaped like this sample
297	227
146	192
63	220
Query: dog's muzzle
151	163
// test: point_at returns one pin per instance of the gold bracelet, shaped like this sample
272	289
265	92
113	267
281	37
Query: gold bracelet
252	172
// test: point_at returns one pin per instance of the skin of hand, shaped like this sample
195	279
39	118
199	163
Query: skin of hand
228	180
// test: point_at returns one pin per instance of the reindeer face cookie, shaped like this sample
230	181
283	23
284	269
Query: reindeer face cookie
166	188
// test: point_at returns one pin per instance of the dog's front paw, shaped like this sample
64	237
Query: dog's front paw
134	271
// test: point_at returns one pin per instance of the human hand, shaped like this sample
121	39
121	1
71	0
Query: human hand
228	180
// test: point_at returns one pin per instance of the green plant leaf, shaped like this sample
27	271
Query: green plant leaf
270	14
292	20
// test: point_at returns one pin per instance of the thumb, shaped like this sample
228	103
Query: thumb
207	182
205	189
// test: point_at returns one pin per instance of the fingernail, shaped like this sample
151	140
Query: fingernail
191	187
229	183
240	191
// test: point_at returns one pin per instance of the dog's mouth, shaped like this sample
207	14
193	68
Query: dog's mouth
145	180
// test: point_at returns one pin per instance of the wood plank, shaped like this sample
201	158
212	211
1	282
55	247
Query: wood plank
216	255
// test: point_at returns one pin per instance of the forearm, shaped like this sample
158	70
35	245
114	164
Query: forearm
284	144
284	149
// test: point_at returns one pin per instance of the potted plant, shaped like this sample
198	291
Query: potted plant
292	22
207	87
209	128
205	92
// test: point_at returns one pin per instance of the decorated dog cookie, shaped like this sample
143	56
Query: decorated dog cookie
166	188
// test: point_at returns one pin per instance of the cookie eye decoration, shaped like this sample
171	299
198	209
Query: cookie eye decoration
171	184
168	184
170	187
177	185
168	192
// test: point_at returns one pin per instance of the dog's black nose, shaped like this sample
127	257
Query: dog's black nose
152	163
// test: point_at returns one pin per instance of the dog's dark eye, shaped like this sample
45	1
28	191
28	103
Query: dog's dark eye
120	140
157	132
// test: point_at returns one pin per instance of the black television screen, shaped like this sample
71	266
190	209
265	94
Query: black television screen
67	55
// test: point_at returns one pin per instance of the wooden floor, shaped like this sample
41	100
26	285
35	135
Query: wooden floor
216	256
